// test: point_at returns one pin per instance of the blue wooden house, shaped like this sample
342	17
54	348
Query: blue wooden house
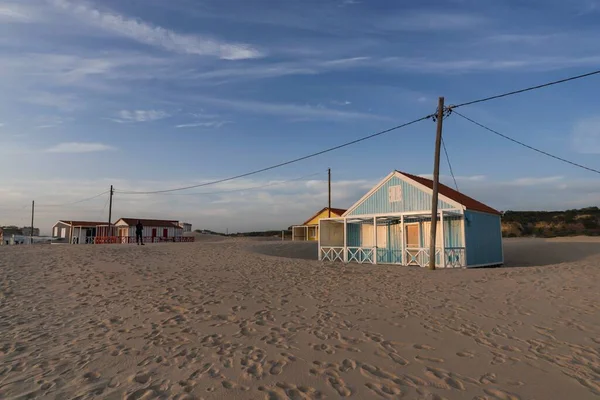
391	225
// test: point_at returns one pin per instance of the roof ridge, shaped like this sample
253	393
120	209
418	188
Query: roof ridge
468	202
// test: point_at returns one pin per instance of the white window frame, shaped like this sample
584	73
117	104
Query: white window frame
395	194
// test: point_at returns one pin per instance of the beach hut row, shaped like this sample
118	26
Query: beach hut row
391	225
122	231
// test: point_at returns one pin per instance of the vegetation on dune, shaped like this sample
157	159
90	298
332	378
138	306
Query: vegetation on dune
585	221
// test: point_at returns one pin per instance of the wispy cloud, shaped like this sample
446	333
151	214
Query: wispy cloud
289	110
79	147
341	103
427	20
448	178
126	116
526	63
13	12
157	36
211	124
60	101
536	181
522	38
586	135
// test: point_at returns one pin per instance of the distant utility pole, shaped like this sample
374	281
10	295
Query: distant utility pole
110	211
329	176
32	214
436	180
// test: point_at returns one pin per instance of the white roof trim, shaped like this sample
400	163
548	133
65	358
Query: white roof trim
406	179
430	191
369	193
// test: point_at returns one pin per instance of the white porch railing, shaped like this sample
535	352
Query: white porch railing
361	255
454	257
332	254
420	256
83	240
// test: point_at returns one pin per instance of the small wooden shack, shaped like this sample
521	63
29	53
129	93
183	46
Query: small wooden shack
391	224
309	230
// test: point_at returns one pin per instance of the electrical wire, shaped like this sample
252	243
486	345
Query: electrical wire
450	165
231	191
75	202
284	163
526	89
525	145
104	208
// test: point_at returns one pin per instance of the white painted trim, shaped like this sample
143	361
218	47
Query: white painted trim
464	238
501	242
483	265
369	193
375	240
367	217
424	188
345	241
318	240
408	180
443	253
403	237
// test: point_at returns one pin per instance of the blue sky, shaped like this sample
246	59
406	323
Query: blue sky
155	94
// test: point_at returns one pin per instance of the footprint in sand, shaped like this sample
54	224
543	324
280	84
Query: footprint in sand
347	365
398	359
142	377
430	359
465	354
488	379
501	395
277	367
384	391
423	347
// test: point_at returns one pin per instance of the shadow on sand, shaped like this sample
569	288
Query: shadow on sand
517	252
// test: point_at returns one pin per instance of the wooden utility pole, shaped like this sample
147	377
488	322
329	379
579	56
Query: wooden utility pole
32	214
109	233
436	180
329	185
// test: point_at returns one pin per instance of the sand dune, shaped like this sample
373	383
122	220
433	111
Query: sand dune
212	320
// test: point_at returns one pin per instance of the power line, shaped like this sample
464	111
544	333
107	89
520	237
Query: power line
525	145
76	202
287	162
229	191
526	89
450	165
104	208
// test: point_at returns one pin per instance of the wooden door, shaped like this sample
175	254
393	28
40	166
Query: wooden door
412	236
153	233
166	233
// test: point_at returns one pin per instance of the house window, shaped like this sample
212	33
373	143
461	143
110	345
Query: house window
55	231
63	232
395	194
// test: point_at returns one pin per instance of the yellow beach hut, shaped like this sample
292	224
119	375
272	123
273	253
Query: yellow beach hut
309	230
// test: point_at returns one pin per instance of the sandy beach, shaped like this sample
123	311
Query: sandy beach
234	319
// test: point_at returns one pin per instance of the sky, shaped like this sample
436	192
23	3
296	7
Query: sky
149	95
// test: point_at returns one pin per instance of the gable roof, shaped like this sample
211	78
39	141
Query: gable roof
151	222
468	202
337	211
82	223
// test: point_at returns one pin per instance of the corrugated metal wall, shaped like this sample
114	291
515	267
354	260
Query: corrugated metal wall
484	238
413	199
